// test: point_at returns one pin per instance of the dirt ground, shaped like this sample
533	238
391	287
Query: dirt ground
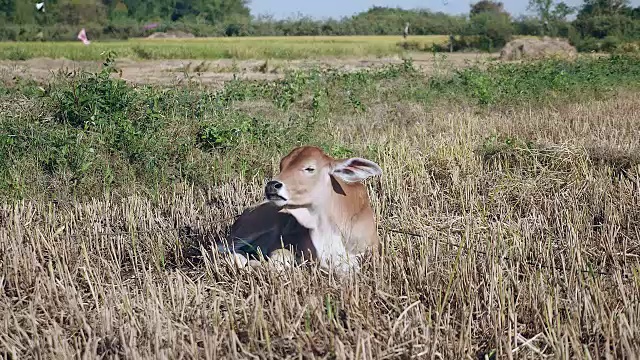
216	72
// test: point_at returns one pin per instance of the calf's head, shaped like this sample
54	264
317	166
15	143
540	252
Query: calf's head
307	177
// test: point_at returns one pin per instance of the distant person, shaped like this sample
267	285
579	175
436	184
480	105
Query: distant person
405	33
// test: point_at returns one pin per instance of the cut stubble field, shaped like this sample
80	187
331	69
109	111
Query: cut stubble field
212	61
519	184
214	73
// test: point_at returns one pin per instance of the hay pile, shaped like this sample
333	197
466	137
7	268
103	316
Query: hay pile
171	35
533	48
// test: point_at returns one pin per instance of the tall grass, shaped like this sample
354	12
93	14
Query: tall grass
522	181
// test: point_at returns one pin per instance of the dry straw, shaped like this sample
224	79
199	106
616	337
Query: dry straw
534	48
460	290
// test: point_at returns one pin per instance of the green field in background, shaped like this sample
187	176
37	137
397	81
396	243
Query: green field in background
300	47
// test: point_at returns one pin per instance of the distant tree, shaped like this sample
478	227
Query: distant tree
494	30
604	25
487	6
219	10
118	10
7	10
527	25
487	20
551	15
562	10
80	12
24	12
543	9
489	27
603	7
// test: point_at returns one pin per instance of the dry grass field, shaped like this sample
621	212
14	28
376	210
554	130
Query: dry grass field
520	188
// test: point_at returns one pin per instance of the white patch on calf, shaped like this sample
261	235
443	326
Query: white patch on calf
329	244
303	216
331	250
282	259
237	259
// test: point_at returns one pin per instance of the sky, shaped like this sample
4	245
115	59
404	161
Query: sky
337	8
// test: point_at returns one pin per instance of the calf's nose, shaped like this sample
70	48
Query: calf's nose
272	187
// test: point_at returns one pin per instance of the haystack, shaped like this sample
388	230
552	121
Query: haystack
171	35
534	48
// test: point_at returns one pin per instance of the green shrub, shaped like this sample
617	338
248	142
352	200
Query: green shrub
18	53
494	30
142	53
125	118
239	128
610	43
95	133
536	81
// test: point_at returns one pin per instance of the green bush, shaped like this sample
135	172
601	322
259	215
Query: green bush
91	133
493	30
610	43
236	128
602	26
125	118
18	53
536	81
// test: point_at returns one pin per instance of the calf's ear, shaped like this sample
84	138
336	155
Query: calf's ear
355	169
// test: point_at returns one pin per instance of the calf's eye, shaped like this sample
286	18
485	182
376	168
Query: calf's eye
309	169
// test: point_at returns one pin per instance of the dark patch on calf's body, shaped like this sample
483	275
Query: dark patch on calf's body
263	229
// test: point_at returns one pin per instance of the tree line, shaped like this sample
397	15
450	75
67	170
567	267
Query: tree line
597	24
